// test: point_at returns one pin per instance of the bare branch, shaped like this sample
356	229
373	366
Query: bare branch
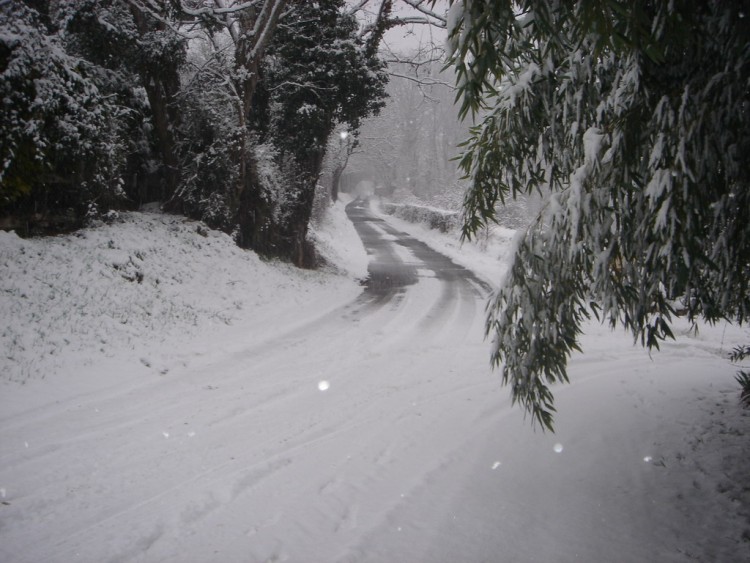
419	20
385	17
152	10
420	5
357	7
230	24
306	86
426	81
221	8
425	54
413	62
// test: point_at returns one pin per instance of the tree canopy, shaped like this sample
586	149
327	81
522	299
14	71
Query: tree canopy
634	119
219	109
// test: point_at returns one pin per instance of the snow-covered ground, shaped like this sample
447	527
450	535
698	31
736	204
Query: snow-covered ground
485	254
142	294
166	396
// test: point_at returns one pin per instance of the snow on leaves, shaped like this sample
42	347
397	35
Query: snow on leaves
56	127
634	123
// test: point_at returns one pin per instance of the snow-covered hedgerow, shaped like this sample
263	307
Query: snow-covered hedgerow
135	291
438	219
513	214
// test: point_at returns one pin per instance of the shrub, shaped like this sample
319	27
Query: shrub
437	219
60	147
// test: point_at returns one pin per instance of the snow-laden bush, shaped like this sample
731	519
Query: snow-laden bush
278	190
60	145
438	219
209	143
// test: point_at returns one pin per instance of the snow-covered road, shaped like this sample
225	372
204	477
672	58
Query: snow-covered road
375	432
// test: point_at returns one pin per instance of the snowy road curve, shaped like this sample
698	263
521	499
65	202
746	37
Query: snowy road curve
373	433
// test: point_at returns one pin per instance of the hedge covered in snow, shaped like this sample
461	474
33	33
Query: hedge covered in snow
438	219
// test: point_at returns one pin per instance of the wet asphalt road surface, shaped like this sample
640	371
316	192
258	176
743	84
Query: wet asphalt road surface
398	261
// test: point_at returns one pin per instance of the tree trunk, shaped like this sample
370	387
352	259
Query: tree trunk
254	218
161	85
258	229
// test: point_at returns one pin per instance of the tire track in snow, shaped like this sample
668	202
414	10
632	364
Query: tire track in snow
268	443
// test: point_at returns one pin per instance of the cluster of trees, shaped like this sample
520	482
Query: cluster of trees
410	145
636	117
218	109
410	148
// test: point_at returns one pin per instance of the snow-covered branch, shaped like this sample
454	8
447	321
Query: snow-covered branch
389	15
264	26
184	29
433	16
423	81
353	9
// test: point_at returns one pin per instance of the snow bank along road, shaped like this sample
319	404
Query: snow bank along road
375	432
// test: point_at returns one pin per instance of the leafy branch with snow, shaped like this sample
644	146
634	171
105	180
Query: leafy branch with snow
632	119
112	104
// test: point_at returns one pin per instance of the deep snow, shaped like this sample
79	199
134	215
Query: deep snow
166	396
142	291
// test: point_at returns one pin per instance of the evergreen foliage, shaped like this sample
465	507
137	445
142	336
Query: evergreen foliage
633	117
136	59
315	76
218	109
318	75
61	143
209	142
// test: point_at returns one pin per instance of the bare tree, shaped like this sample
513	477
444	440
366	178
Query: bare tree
410	145
385	137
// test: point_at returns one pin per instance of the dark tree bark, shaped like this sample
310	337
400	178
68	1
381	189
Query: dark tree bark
254	216
161	85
